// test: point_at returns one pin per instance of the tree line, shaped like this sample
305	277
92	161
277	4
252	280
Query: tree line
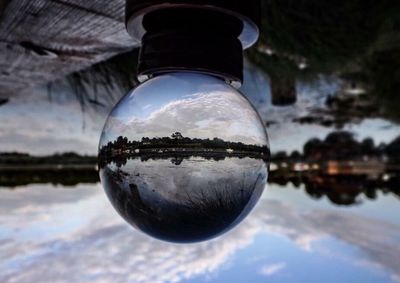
177	140
341	145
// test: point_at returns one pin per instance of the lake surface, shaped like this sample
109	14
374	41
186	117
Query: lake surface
185	200
52	233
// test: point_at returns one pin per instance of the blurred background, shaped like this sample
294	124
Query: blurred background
325	79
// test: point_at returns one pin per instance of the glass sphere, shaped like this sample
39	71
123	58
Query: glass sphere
183	157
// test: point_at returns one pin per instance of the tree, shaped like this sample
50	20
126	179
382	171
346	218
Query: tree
295	155
311	146
393	150
368	146
280	155
177	136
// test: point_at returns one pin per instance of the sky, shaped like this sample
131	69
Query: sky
44	238
197	106
33	123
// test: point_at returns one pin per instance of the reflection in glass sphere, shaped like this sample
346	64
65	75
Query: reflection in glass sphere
183	157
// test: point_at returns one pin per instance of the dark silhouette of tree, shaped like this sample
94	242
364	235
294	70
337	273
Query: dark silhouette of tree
177	136
312	148
368	147
177	145
338	145
295	155
393	150
280	155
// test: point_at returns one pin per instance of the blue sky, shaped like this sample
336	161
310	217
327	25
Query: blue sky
45	239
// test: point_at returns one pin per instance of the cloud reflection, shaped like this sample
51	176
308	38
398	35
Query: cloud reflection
104	249
271	269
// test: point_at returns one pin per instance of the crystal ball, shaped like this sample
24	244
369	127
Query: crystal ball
184	157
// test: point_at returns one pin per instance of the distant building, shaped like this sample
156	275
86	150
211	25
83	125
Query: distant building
373	168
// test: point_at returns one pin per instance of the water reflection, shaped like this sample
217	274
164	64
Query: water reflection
66	177
340	190
184	198
341	168
44	238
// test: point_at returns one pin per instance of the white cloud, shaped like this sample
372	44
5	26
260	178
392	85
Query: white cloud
207	115
271	269
101	247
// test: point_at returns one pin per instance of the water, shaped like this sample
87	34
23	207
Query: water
61	234
185	200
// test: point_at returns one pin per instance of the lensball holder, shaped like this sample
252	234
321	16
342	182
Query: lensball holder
198	36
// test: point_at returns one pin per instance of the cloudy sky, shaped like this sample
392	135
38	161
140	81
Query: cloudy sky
196	106
44	238
33	123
